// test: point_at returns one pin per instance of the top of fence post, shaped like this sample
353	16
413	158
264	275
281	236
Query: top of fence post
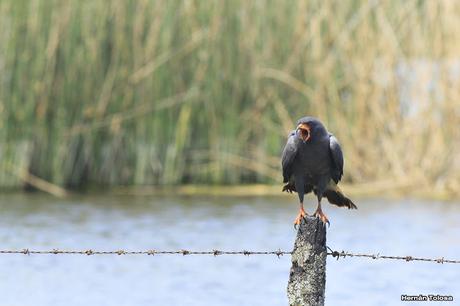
307	279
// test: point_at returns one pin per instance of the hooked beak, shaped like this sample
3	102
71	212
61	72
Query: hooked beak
304	131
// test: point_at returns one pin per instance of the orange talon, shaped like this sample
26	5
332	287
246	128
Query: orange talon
302	214
319	214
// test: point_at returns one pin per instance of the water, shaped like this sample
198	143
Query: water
404	227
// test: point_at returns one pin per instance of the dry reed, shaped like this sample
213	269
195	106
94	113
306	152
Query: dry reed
167	92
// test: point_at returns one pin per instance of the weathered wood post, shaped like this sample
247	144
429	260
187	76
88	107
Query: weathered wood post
307	278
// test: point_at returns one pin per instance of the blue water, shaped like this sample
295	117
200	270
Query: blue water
400	227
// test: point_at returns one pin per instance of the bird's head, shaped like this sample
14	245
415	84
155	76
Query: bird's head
309	128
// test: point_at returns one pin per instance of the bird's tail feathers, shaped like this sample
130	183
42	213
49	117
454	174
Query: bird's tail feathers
335	196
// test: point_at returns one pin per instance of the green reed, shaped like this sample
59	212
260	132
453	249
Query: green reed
166	92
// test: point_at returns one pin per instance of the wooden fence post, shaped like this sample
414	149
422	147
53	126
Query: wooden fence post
307	278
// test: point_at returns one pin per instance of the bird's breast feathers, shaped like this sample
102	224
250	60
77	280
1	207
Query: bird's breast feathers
312	162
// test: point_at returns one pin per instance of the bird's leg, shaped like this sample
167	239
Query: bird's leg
319	213
302	214
300	187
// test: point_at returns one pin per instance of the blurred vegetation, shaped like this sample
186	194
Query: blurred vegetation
166	92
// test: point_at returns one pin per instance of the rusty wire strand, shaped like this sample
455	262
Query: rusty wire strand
146	252
183	252
344	254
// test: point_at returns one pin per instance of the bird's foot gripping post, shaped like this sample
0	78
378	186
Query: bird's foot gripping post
307	278
302	214
320	215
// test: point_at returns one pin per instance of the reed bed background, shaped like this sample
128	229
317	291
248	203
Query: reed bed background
109	93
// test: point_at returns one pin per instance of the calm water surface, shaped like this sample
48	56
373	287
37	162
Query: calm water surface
403	227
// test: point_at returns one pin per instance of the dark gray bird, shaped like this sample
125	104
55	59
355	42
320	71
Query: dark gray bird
313	161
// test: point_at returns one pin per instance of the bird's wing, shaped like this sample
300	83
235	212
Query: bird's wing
337	158
289	153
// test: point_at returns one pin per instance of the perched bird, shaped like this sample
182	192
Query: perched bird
313	161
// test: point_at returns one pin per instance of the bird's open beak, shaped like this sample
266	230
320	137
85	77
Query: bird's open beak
304	131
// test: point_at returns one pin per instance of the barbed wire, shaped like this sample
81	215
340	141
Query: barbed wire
146	252
278	253
344	254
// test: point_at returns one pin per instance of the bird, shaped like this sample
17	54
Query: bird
312	161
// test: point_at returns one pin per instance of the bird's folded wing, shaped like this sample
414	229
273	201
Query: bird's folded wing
289	153
337	158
